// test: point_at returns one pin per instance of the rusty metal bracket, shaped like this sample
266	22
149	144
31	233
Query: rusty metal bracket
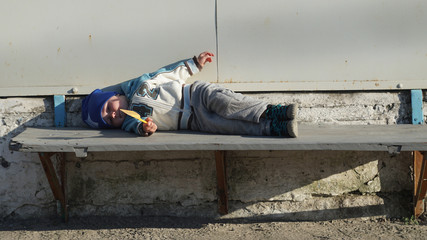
222	189
420	182
57	184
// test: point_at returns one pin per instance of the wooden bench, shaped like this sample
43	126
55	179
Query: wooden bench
48	142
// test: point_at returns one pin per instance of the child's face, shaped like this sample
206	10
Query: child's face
111	111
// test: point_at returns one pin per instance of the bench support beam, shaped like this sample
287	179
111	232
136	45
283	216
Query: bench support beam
57	180
57	184
222	189
420	182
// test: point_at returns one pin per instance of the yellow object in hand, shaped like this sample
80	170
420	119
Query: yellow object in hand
133	114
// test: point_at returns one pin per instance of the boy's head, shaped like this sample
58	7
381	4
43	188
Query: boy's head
102	109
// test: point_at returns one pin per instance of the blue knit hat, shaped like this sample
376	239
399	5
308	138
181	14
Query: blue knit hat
92	107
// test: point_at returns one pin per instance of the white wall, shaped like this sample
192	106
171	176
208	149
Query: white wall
52	46
322	45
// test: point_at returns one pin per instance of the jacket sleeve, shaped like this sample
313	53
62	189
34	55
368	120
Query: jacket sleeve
180	70
131	125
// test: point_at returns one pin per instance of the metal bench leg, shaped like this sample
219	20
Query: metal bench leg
420	182
58	186
221	182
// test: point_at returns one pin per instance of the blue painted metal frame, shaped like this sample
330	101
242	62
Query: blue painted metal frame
60	115
417	106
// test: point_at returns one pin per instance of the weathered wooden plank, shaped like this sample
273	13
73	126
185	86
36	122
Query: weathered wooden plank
311	137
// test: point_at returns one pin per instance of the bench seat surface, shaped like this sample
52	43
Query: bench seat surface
311	137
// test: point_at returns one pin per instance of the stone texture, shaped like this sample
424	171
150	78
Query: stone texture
291	185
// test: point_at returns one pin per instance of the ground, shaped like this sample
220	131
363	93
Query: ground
198	228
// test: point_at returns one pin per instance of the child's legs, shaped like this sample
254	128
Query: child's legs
226	103
206	121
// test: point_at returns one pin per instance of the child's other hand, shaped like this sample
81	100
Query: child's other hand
205	57
150	127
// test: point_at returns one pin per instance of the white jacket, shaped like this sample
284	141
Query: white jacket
162	95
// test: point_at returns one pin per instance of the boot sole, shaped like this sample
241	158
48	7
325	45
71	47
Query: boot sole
292	128
292	111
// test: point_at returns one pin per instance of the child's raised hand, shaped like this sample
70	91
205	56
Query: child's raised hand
205	57
150	127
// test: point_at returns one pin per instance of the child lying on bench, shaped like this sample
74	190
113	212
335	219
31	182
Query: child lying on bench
166	103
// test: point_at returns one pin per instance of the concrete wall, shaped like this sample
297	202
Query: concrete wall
286	184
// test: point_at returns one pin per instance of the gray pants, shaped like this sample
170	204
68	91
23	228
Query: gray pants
220	110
